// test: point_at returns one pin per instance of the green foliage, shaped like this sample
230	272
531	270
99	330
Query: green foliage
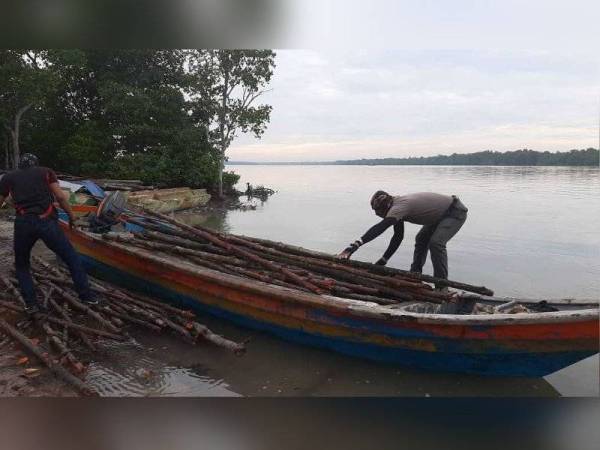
85	151
224	86
588	157
150	114
188	161
230	179
23	80
26	84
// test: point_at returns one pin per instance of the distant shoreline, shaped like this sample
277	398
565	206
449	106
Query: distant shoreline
519	158
334	163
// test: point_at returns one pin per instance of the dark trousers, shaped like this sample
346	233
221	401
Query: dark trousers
433	238
28	229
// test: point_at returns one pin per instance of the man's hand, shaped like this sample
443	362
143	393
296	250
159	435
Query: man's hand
63	200
344	255
381	261
350	249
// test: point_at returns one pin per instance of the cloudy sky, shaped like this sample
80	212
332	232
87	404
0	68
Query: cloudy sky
423	78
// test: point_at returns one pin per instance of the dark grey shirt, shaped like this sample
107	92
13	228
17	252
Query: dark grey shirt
423	208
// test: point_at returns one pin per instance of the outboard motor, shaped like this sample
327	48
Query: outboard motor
108	213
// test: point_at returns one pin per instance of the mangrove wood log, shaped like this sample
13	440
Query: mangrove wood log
175	240
84	308
238	251
206	334
65	353
382	270
56	368
14	291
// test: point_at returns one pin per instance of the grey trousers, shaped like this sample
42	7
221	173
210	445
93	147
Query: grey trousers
435	237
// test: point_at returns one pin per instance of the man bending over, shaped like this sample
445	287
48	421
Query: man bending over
441	216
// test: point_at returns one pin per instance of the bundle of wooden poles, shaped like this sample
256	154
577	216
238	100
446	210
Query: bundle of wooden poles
282	265
110	184
69	327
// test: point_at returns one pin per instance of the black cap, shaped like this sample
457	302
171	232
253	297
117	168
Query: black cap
379	199
28	160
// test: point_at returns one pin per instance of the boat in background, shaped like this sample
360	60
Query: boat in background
85	196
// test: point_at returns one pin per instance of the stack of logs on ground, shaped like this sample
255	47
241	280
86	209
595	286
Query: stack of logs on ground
69	327
280	264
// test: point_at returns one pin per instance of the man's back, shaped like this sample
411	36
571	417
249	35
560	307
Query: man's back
424	208
29	189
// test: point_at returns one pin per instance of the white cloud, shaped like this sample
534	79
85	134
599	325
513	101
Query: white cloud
375	103
510	25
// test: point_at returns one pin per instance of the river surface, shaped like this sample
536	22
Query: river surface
531	232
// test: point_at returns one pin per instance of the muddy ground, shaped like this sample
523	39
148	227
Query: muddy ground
20	376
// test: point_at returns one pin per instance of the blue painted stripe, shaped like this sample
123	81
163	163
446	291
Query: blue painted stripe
133	228
504	364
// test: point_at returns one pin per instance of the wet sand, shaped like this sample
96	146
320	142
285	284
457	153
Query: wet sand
14	382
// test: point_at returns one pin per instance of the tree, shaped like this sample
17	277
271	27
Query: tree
525	157
120	107
166	116
26	81
225	87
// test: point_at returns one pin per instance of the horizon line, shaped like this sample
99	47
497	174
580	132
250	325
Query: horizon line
398	157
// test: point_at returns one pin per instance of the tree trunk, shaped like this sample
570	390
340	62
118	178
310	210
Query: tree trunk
7	158
222	116
221	168
16	151
14	134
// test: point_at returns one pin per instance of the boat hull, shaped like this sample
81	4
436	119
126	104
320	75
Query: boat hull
495	349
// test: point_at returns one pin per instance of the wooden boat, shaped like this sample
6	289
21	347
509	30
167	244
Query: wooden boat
524	344
168	200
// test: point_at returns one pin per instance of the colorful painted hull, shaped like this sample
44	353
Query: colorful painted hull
83	210
531	345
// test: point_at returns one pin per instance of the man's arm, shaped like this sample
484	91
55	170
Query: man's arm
371	234
63	201
394	243
4	190
377	229
8	201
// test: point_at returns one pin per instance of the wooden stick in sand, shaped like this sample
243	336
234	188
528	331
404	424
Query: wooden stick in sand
59	370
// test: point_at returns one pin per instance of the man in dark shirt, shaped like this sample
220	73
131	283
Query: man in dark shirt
33	190
440	215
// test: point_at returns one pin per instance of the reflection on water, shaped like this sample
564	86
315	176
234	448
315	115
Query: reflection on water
147	367
215	219
531	232
271	367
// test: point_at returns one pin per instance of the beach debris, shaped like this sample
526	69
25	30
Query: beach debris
260	192
34	350
68	327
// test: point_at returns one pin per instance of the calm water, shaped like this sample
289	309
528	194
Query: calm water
531	232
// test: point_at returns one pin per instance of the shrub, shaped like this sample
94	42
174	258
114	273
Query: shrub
230	179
